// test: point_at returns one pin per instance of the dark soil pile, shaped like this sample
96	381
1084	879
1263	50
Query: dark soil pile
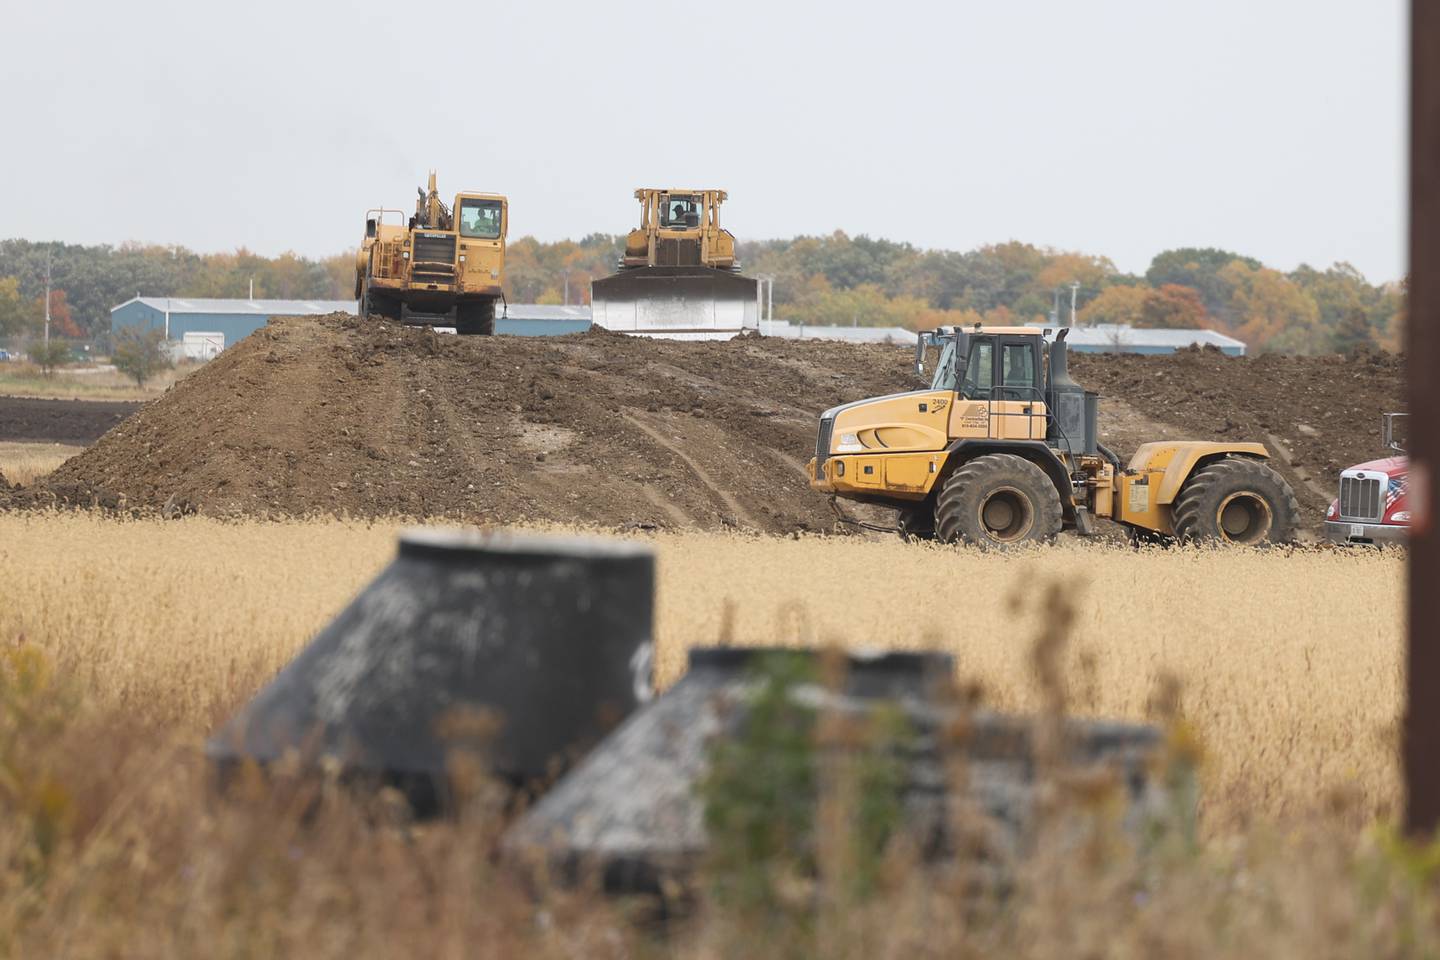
329	415
1317	415
76	422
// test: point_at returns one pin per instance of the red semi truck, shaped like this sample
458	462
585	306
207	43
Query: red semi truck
1372	507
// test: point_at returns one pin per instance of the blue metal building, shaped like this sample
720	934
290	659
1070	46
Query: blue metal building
1116	338
223	323
229	320
542	320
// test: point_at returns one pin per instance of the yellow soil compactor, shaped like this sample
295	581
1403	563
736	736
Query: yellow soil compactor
442	267
1001	448
678	278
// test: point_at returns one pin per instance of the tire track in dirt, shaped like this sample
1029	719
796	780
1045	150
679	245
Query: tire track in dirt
739	512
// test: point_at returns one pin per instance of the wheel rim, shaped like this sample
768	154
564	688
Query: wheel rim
1244	517
1006	515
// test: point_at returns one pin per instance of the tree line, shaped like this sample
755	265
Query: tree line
835	279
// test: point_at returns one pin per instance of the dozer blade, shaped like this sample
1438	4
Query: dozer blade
681	303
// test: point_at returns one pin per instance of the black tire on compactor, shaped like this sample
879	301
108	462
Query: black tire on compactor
1236	500
998	500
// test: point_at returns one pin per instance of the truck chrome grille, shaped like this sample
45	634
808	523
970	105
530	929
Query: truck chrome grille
1362	499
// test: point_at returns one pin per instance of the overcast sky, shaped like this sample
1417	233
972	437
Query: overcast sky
1275	128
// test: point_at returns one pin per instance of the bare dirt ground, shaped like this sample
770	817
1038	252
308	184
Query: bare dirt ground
331	415
77	422
334	416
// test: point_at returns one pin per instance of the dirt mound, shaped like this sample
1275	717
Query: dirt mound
76	422
1317	415
329	415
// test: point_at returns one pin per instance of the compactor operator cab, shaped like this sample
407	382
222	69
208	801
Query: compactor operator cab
1007	370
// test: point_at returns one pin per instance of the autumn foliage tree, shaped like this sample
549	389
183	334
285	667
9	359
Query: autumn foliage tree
1123	306
834	278
62	321
1270	311
1175	307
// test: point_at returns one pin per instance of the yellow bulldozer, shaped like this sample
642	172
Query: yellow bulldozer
442	267
678	277
1002	448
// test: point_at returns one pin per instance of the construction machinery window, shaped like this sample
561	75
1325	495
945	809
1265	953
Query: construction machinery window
480	219
1018	370
679	212
980	373
945	369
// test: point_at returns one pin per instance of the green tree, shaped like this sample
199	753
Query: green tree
1200	268
140	354
18	314
49	356
1353	333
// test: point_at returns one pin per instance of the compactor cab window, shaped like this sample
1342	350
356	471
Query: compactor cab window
679	212
1017	371
979	372
944	378
480	219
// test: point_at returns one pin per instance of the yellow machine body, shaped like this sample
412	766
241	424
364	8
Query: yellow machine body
679	228
441	265
896	450
678	276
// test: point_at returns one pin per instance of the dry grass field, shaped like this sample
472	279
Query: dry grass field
85	382
146	633
24	463
1289	664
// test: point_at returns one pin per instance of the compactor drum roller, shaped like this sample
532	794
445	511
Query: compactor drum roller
1001	448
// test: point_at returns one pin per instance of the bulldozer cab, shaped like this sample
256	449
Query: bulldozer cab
678	276
679	210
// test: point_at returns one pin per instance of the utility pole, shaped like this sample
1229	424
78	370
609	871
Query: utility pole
1074	290
1055	310
1421	723
47	301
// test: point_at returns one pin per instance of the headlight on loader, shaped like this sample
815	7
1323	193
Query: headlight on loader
849	443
